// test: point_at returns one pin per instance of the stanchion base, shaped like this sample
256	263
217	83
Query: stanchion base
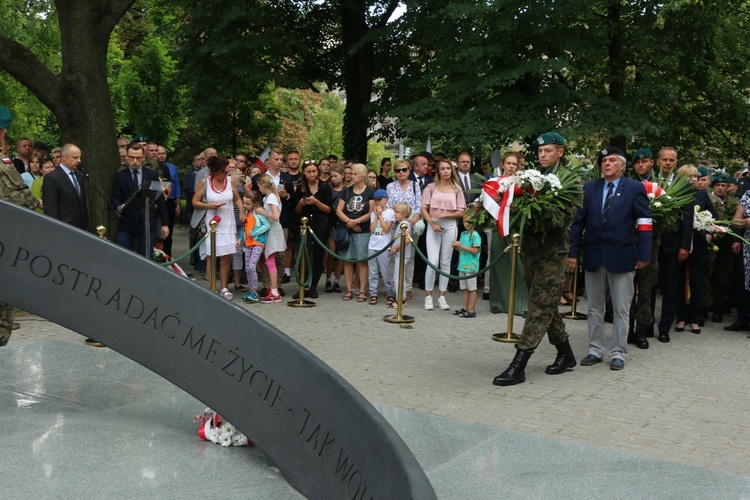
398	319
503	337
300	303
577	315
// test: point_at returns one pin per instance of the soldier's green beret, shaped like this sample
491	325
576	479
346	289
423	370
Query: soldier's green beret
642	153
703	171
5	117
549	138
720	178
140	138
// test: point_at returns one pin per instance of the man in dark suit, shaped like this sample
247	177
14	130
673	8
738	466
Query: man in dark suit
64	196
132	223
419	174
613	207
675	247
463	169
64	192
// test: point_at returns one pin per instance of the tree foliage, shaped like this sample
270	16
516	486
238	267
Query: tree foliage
634	73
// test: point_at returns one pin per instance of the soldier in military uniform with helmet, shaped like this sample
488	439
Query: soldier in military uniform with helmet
14	190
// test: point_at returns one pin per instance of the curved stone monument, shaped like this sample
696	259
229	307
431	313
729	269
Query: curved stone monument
322	434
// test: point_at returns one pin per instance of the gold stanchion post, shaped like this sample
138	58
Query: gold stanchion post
573	314
509	336
212	256
398	317
301	302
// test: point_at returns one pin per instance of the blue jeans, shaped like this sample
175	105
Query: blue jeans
127	239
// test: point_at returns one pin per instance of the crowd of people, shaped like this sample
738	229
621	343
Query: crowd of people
358	214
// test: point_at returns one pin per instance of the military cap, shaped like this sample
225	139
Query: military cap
642	153
721	178
608	151
549	138
5	117
703	171
140	138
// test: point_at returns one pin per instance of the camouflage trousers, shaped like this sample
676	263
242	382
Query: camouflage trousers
543	273
6	322
645	282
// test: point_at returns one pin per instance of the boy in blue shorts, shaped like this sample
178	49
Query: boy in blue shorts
468	246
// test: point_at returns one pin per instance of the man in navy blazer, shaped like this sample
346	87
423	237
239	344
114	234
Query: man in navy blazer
419	174
132	223
64	192
613	208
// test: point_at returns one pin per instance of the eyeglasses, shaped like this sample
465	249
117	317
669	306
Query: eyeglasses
309	162
399	170
239	160
372	176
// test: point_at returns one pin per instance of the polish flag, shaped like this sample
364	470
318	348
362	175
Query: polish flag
501	211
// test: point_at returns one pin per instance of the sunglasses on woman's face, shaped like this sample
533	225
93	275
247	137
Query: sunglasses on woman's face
399	170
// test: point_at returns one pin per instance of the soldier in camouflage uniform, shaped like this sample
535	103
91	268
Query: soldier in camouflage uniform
721	277
14	190
644	298
544	263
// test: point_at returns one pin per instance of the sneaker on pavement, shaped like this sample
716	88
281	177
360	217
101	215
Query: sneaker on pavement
251	297
428	303
270	298
442	304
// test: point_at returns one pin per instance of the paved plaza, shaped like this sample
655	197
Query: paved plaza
673	422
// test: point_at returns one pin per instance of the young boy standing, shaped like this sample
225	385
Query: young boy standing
468	246
381	220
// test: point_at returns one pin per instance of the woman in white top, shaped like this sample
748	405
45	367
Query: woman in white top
443	204
219	192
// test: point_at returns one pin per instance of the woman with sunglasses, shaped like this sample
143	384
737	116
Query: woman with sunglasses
404	190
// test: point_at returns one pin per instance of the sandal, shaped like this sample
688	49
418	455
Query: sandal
373	300
226	294
567	298
459	312
389	301
348	296
362	297
408	295
469	314
240	288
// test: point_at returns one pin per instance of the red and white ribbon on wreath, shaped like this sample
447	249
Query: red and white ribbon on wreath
653	188
501	211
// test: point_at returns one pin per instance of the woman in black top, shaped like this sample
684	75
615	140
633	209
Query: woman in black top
314	203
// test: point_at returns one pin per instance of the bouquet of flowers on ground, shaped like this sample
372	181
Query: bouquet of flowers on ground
213	428
666	201
528	201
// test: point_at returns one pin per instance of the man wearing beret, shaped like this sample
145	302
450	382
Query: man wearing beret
544	263
721	278
613	207
644	297
14	190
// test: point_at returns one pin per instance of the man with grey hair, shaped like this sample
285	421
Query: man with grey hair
612	206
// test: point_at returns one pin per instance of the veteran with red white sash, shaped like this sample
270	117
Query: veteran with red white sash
613	229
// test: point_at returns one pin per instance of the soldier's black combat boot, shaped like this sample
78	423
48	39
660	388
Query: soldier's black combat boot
640	341
514	374
564	361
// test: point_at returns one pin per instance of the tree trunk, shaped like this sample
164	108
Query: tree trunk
616	63
79	96
358	75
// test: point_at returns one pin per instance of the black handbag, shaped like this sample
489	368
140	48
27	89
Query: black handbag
341	238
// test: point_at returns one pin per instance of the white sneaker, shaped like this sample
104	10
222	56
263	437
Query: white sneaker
428	303
442	304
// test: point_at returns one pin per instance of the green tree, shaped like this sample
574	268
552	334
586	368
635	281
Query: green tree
75	87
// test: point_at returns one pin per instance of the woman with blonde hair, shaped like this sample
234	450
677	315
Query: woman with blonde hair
443	204
275	241
354	207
